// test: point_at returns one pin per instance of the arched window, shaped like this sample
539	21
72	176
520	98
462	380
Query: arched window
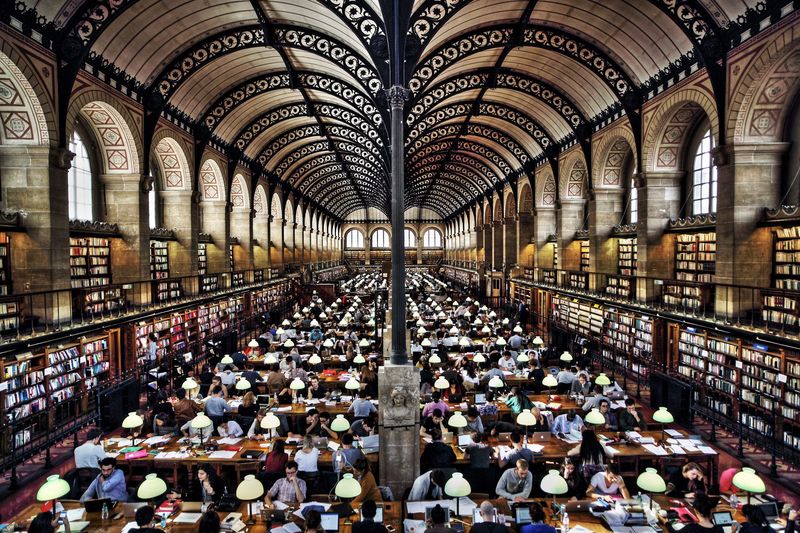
704	177
633	195
380	239
409	239
354	240
432	238
154	206
80	180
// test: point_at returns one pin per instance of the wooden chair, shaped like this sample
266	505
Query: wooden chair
243	469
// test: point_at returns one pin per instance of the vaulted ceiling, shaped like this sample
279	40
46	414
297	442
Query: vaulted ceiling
296	88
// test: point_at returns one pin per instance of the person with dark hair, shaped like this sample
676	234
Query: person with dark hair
347	453
209	523
702	508
437	454
434	421
369	487
474	422
367	523
163	425
109	483
435	403
144	520
208	486
276	458
756	520
564	424
361	406
519	451
185	409
428	486
576	483
536	376
687	482
439	521
518	400
364	427
44	523
313	522
516	483
537	524
488	516
605	484
631	419
289	489
591	453
90	453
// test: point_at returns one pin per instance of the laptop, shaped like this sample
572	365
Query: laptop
370	444
263	399
447	438
129	509
522	515
330	521
477	517
96	505
541	436
429	510
465	440
724	519
321	442
378	514
504	436
772	515
480	398
191	507
579	506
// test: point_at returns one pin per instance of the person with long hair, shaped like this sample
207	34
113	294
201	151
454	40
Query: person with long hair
369	487
369	379
538	523
702	508
209	523
209	487
591	453
576	483
756	520
43	523
313	522
249	406
687	482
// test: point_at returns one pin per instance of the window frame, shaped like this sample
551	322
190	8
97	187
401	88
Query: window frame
380	239
439	236
410	240
360	238
708	200
87	141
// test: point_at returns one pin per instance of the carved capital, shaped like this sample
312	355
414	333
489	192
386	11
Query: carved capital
397	96
61	158
147	183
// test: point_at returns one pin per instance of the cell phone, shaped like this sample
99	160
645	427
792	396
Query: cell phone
390	529
62	516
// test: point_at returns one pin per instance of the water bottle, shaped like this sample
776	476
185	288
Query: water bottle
104	512
338	467
564	521
734	501
164	521
640	498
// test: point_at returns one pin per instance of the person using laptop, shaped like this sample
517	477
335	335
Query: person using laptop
231	429
361	406
756	520
631	419
365	427
474	422
434	421
347	454
367	523
437	454
313	522
488	516
517	401
594	400
90	453
537	524
45	522
570	422
608	483
369	487
307	457
687	482
611	419
288	489
581	386
702	508
109	483
144	520
518	451
439	521
516	483
428	486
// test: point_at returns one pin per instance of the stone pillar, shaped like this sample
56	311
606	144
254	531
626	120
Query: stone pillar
510	242
126	206
276	241
215	222
570	220
524	233
544	224
181	214
479	241
398	393
497	242
419	245
488	242
307	245
605	207
659	200
749	178
242	227
261	256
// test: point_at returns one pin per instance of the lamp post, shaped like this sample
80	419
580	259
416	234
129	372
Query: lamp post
270	422
748	481
549	381
346	489
296	385
457	487
133	420
200	423
554	484
526	418
53	489
248	490
650	482
663	416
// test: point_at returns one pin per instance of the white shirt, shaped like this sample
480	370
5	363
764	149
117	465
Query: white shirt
88	454
599	483
506	364
307	461
230	429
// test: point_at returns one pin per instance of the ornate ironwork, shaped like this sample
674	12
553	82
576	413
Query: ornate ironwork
489	133
303	133
163	234
93	227
784	213
11	220
582	235
693	222
468	146
552	238
623	230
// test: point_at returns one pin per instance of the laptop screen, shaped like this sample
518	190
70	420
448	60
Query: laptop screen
522	515
464	440
770	510
723	518
429	510
480	398
370	442
330	521
378	514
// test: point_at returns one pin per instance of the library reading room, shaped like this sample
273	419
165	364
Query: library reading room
400	266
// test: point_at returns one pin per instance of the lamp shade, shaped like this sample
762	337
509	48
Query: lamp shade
363	343
448	322
297	384
314	323
371	323
253	343
457	421
286	320
479	358
298	315
359	359
348	487
537	340
526	418
517	329
550	381
748	481
151	488
464	341
505	321
453	331
352	384
650	481
554	484
53	489
343	322
441	383
288	344
663	416
133	420
340	424
270	359
189	384
279	331
270	421
523	358
250	489
328	343
486	330
457	486
602	379
500	341
496	383
434	359
492	314
420	322
226	360
314	360
323	315
595	417
242	384
421	330
201	421
467	314
426	342
566	357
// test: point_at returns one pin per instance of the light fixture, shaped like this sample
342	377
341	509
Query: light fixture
420	322
453	331
602	379
517	329
226	360
359	359
467	314
434	359
248	490
505	321
53	489
253	344
152	488
663	416
314	323
748	481
553	483
296	385
288	344
523	358
421	331
479	358
500	341
132	421
457	487
595	417
464	341
457	421
650	482
328	343
441	383
426	343
492	315
566	357
496	382
363	343
486	330
314	360
352	384
270	422
286	320
201	422
442	315
270	359
340	424
343	322
549	381
279	331
537	341
298	316
347	488
189	384
242	385
526	418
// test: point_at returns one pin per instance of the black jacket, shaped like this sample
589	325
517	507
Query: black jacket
368	526
489	527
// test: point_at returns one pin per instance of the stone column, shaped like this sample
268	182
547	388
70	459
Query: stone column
276	241
479	241
242	227
181	214
510	241
398	392
261	256
215	222
570	220
524	233
605	207
497	248
659	200
126	206
419	245
544	224
488	243
749	178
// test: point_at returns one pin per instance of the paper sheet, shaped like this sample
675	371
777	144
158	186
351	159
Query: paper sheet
655	450
535	448
187	518
127	527
222	454
280	506
73	515
157	440
673	433
677	450
580	529
708	450
611	451
229	440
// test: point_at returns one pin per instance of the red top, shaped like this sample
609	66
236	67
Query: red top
275	462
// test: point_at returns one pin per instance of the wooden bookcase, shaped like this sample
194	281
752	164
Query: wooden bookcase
202	259
627	256
159	260
781	310
5	265
584	266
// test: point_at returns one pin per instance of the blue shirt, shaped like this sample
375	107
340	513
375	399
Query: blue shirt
113	488
562	425
216	406
361	408
537	528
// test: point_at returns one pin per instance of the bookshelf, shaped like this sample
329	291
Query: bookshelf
167	290
781	310
627	256
209	283
630	337
159	260
584	266
237	279
258	276
619	286
695	256
580	316
578	280
231	262
5	265
202	259
549	276
90	262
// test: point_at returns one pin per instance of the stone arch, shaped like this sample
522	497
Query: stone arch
763	98
611	156
298	214
307	219
498	210
288	210
276	209
572	183
260	200
511	205
116	131
212	186
173	166
240	196
669	130
526	199
22	117
546	196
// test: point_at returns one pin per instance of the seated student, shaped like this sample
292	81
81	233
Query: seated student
315	390
595	399
45	522
580	386
348	454
163	425
369	487
144	520
435	403
90	453
687	482
428	486
608	483
367	523
519	451
438	521
479	453
541	422
756	520
324	429
109	483
208	486
576	483
518	400
507	363
565	377
488	515
365	427
516	483
231	429
474	422
568	423
289	489
436	420
611	418
631	419
537	524
209	523
437	454
702	510
361	406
